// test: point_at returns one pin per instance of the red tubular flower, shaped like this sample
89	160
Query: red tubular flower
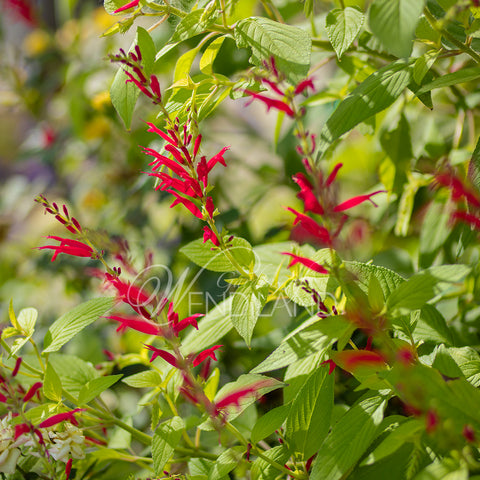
331	365
302	86
218	158
68	468
351	360
16	368
183	324
32	391
431	421
208	353
61	417
458	189
472	220
305	261
311	226
235	398
168	162
138	83
209	206
21	429
468	433
135	323
333	174
272	103
3	398
70	247
131	295
127	6
172	140
157	352
306	194
209	235
353	202
187	203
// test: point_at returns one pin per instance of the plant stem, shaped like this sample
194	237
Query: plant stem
461	46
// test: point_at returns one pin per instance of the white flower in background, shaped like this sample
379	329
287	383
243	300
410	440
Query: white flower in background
67	444
9	451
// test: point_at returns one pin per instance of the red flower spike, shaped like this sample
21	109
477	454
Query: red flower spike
333	174
472	220
331	365
203	171
302	86
135	323
306	194
311	226
431	421
208	353
157	352
61	417
140	86
353	202
209	235
16	368
21	429
68	246
316	267
209	207
468	433
68	468
32	391
127	6
272	103
187	203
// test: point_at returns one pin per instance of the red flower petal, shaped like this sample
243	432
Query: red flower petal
157	352
208	353
353	202
61	417
305	261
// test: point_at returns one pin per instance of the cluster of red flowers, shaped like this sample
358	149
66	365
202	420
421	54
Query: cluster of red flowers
319	197
461	193
189	185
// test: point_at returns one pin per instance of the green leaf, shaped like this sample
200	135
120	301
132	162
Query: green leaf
25	323
147	379
68	325
376	298
216	260
268	423
349	439
263	470
226	462
423	65
191	25
52	385
406	432
373	95
290	46
165	439
184	64
210	54
308	422
474	167
312	336
211	328
435	231
261	383
432	327
394	22
95	387
425	285
124	95
343	26
460	76
74	372
247	304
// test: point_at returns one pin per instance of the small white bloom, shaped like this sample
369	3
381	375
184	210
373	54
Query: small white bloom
67	444
9	453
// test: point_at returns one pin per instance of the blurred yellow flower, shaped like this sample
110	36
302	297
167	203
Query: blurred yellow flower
101	101
36	42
